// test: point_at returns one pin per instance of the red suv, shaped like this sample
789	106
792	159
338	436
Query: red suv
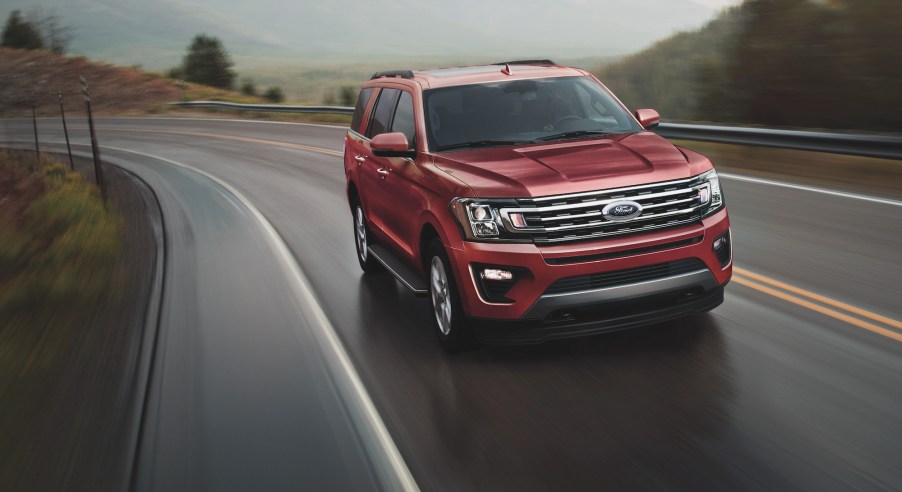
528	203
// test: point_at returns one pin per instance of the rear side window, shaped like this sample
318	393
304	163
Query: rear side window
362	100
385	107
403	120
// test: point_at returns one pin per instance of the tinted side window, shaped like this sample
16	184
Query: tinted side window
403	120
362	101
385	106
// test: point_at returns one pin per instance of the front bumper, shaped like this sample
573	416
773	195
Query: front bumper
603	318
529	301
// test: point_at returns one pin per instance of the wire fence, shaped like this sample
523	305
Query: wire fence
95	148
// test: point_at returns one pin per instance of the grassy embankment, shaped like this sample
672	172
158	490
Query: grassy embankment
867	175
58	250
115	90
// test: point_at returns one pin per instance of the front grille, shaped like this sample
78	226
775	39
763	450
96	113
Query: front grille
578	216
623	277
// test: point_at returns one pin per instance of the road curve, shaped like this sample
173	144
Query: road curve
794	383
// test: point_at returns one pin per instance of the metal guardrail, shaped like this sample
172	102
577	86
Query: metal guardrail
269	108
882	146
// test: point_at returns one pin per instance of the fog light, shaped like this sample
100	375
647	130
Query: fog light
723	249
718	243
497	274
494	282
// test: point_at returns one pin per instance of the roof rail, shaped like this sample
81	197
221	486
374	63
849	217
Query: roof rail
404	74
527	62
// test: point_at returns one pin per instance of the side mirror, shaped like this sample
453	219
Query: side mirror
391	145
648	118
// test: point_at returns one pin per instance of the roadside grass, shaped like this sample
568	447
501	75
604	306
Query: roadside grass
863	174
58	249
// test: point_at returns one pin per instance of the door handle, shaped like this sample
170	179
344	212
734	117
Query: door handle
383	171
360	159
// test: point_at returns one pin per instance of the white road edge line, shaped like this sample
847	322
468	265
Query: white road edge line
304	294
782	184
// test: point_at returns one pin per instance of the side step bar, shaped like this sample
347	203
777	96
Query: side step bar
411	279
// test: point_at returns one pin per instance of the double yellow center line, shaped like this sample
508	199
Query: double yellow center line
853	315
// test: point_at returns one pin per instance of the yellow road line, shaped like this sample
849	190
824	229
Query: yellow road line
819	298
276	143
818	308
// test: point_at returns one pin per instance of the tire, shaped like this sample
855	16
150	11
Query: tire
361	240
448	319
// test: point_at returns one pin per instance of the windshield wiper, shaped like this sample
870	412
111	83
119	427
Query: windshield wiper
480	143
573	134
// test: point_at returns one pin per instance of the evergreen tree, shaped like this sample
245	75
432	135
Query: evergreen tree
207	62
21	34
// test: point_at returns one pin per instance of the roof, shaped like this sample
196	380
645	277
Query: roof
453	76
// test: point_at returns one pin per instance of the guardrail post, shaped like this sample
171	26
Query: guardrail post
34	123
66	131
98	170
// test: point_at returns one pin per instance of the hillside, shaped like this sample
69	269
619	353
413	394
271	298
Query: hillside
665	75
114	90
778	63
40	74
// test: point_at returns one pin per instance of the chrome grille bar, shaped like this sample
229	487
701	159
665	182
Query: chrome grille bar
579	216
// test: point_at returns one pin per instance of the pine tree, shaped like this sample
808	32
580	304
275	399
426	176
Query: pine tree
207	62
21	34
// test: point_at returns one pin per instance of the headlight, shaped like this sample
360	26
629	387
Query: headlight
479	219
710	193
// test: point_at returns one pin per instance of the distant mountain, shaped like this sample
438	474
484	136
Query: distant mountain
155	33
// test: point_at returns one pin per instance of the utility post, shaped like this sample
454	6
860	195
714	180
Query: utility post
66	131
98	171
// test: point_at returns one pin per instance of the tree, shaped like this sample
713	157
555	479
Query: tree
207	62
815	64
21	34
274	94
248	88
348	95
56	37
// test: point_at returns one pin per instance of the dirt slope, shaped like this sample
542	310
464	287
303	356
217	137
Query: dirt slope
38	74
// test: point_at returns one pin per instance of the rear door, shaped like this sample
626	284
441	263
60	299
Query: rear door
373	170
355	148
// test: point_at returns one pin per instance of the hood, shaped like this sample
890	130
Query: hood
569	167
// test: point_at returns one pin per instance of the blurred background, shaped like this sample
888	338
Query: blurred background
797	63
795	383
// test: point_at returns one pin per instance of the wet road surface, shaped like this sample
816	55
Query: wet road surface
765	392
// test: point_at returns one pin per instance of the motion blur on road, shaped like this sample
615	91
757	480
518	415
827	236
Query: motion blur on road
273	363
793	383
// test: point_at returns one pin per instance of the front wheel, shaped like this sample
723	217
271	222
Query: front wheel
448	320
362	241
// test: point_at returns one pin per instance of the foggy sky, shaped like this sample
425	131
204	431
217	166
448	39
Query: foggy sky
155	32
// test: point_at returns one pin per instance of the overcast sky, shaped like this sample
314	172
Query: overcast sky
155	32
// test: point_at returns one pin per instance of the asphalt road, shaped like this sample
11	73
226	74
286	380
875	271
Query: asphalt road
794	383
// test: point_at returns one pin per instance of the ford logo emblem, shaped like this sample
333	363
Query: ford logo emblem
622	210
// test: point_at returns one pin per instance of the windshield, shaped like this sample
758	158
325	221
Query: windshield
522	111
